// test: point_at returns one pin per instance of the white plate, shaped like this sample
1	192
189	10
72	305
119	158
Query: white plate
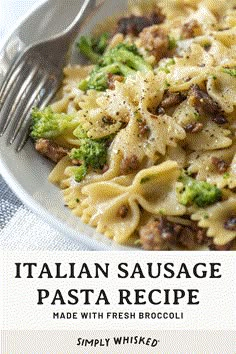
26	172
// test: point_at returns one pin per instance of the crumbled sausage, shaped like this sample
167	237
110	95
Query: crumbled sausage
221	165
194	127
191	29
135	24
123	211
129	164
107	120
226	247
157	17
230	223
187	238
171	99
112	78
50	149
192	235
155	40
205	105
163	234
201	236
150	236
169	231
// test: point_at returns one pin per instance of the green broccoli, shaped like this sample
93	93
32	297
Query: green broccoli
48	124
165	66
231	72
91	153
127	55
123	60
98	79
79	172
172	43
199	193
79	132
93	47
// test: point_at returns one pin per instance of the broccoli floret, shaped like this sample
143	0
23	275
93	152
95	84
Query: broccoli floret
48	124
127	55
199	193
172	43
77	172
123	60
79	132
80	172
93	47
231	72
102	42
98	79
92	153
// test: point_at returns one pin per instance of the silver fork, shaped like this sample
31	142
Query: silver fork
34	78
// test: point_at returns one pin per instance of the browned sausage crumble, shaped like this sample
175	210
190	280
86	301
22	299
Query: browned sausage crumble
191	29
194	127
230	223
129	164
220	165
50	149
133	25
205	105
155	40
161	234
123	211
171	99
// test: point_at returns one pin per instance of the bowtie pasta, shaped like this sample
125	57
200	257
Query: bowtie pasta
144	136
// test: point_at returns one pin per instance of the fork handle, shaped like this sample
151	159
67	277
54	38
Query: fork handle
86	11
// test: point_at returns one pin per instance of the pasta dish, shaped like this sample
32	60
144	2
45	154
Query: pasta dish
144	135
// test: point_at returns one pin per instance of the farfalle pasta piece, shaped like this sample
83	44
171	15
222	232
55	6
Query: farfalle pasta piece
111	210
204	165
230	17
153	189
139	90
212	136
189	70
73	74
219	7
222	55
117	102
177	154
205	17
163	131
94	119
185	114
176	8
57	175
222	89
156	189
72	190
227	36
216	219
69	96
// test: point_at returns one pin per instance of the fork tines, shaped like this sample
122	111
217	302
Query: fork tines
27	84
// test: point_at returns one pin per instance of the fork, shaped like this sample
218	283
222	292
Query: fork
34	78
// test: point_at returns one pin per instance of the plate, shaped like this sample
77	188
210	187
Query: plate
26	172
